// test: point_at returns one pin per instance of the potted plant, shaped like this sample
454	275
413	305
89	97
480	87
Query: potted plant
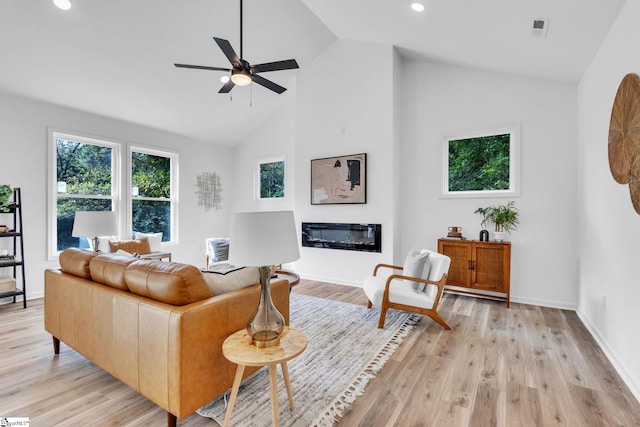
5	194
505	217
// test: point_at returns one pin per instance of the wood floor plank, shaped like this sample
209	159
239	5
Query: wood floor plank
523	366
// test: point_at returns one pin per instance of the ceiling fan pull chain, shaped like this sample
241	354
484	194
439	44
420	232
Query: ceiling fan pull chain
251	96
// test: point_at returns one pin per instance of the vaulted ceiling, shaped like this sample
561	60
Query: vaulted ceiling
115	58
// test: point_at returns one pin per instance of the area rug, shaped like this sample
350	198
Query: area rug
345	351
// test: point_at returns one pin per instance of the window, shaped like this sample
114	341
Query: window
482	163
153	202
271	178
85	179
86	174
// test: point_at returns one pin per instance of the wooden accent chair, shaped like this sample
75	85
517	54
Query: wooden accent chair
418	288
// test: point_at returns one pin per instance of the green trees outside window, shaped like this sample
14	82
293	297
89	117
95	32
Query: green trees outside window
89	177
272	180
482	163
479	163
84	181
151	194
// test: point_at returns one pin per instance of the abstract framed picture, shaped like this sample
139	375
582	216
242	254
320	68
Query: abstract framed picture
339	180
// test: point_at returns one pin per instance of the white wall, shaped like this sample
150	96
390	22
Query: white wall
608	225
345	106
439	100
274	137
23	163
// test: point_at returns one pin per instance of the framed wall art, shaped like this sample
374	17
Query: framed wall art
339	180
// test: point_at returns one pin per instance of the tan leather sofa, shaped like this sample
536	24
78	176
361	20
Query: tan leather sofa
154	325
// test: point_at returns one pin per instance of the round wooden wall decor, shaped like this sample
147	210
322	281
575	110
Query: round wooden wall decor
624	137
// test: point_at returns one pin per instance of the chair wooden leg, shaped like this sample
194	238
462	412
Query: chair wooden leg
383	315
56	345
437	318
171	420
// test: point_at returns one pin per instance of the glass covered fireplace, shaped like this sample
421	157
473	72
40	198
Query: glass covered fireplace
348	237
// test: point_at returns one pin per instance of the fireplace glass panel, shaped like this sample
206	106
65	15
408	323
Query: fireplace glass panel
349	237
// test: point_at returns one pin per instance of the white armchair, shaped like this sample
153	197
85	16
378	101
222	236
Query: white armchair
418	288
217	252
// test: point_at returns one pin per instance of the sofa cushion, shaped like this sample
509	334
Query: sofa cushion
108	269
230	279
76	261
139	246
169	282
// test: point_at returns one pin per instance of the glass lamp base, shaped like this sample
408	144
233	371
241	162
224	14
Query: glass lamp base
264	339
267	323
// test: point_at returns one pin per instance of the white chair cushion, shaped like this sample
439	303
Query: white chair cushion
399	293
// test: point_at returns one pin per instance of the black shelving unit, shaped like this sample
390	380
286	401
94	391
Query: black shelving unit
15	259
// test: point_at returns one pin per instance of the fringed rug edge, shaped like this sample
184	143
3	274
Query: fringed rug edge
336	410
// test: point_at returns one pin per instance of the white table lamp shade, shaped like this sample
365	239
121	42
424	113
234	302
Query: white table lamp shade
94	223
263	239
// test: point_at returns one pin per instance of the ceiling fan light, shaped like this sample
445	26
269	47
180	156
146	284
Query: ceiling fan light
418	7
224	79
62	4
240	77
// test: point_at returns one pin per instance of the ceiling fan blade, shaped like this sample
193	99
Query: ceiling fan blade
201	67
227	87
267	83
289	64
228	51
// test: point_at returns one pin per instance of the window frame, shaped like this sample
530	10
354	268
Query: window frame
257	176
173	157
121	201
52	208
514	162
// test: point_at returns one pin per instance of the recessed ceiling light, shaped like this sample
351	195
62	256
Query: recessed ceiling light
224	79
418	7
62	4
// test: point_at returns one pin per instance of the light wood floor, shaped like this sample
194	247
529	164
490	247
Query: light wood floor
523	366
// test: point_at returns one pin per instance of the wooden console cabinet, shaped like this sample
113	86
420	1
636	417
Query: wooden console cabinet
478	267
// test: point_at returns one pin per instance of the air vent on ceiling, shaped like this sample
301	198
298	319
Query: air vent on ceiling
539	28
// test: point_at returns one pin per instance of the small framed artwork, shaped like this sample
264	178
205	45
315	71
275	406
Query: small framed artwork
339	180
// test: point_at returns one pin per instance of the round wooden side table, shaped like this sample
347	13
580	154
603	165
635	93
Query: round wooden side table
238	349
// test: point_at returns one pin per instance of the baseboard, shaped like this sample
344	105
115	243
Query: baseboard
619	367
543	303
331	280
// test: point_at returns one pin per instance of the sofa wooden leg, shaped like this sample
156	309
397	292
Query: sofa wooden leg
369	304
56	345
171	420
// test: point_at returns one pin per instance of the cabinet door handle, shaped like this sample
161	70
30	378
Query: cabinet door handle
470	265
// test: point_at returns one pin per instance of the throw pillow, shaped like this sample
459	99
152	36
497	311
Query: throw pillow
231	279
140	246
155	240
425	274
413	267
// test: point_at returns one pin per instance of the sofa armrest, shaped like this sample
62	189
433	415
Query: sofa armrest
197	370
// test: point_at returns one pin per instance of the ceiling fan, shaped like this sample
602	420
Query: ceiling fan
242	72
